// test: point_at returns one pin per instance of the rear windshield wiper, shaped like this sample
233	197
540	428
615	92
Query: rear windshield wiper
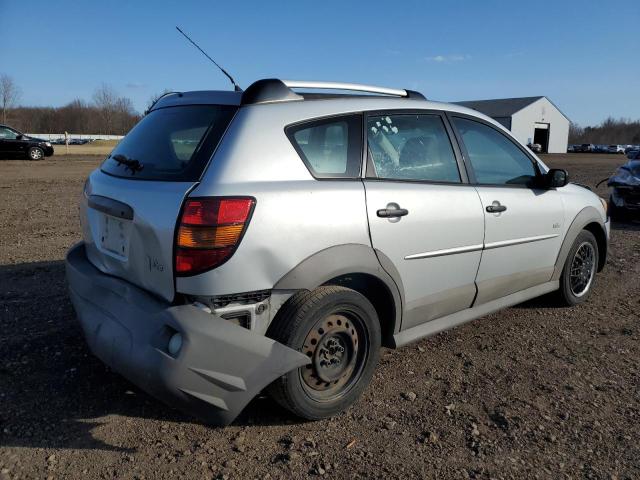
130	163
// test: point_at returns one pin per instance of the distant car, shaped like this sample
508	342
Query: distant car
587	147
535	147
16	144
601	148
573	148
616	148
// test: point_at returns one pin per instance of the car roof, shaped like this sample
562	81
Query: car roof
277	95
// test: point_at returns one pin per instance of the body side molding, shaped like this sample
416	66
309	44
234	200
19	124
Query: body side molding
474	248
519	241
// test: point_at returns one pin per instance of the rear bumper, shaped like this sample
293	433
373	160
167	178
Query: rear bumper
219	368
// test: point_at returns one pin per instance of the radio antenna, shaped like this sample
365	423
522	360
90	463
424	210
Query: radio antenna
233	82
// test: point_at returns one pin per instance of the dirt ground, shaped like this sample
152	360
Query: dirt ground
529	392
95	148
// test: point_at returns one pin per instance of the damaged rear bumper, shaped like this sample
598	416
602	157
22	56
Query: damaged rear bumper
217	371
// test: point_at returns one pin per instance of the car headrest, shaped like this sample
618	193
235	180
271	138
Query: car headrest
414	152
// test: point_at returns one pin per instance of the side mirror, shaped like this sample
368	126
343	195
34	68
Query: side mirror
20	136
556	177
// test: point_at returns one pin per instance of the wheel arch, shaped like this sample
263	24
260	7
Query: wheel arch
587	219
354	266
601	238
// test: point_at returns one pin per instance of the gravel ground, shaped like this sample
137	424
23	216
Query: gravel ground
529	392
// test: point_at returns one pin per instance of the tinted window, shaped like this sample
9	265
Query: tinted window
7	133
411	147
330	148
495	159
173	143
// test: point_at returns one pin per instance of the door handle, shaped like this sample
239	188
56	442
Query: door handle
392	212
495	207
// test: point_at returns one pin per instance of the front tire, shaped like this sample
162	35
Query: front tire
35	154
339	330
579	271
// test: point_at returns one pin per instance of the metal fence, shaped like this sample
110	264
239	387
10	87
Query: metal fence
87	136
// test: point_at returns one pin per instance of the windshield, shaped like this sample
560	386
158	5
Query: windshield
172	143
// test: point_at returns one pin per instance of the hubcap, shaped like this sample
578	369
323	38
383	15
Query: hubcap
36	154
337	348
583	268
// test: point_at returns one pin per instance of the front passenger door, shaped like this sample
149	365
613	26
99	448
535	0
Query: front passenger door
523	223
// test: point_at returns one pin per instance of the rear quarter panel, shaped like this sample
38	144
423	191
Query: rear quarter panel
295	215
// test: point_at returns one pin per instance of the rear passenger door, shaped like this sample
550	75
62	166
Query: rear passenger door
426	222
523	222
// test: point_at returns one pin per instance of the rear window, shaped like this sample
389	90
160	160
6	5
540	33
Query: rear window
171	144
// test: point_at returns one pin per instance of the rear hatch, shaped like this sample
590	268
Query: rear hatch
132	203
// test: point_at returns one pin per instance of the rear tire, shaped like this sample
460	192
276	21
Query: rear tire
579	271
35	154
338	329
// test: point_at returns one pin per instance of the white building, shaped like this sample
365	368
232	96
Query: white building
530	119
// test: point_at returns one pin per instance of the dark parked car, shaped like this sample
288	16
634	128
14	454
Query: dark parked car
16	144
625	188
587	147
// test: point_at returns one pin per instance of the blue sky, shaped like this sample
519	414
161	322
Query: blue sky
585	56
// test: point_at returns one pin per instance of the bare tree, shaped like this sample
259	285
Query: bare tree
9	95
610	131
105	100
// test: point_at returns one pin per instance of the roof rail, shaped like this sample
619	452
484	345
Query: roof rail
354	87
271	90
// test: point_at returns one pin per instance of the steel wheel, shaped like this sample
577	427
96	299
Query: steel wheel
337	346
338	329
583	268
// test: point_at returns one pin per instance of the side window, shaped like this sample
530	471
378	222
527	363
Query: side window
411	147
330	148
7	134
495	159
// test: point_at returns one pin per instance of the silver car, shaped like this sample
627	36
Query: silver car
276	238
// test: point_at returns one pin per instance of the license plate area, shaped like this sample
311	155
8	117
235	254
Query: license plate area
114	236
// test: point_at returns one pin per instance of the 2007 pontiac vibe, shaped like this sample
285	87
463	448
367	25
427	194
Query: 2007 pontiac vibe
276	238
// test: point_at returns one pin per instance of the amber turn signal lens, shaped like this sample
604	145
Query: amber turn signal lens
209	231
209	237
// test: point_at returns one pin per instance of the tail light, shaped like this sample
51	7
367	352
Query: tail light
209	231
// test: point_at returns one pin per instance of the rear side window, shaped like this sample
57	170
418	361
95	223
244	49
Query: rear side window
495	159
330	148
411	147
172	143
